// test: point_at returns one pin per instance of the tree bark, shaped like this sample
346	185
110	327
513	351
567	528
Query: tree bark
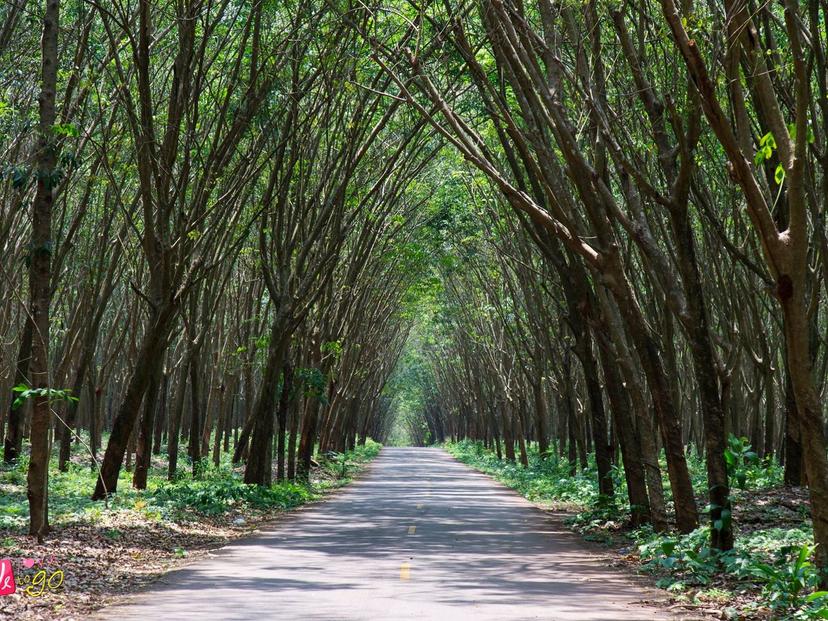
40	277
143	449
14	434
149	360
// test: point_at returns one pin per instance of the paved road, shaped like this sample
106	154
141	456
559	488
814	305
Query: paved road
419	536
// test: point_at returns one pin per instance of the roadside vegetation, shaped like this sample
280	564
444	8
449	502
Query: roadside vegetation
243	230
768	574
107	550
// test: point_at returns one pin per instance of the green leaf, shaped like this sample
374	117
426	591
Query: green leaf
66	129
779	175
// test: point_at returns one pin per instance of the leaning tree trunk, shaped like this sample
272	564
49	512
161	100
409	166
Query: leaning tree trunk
68	428
627	435
150	358
793	436
194	445
704	367
687	518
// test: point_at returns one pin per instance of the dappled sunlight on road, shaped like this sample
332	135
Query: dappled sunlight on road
477	551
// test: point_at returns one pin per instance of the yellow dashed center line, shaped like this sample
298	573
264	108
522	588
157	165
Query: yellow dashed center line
405	571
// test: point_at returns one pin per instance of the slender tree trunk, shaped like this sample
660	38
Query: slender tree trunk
161	414
770	415
174	429
194	445
14	434
628	436
220	424
308	439
40	278
66	431
541	426
687	518
704	367
508	437
603	451
291	451
282	414
642	413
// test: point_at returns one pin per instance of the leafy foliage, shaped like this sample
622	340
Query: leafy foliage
24	393
741	460
221	492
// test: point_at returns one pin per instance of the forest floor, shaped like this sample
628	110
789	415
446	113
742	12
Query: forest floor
766	576
100	553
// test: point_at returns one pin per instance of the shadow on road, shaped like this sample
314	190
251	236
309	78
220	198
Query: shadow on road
478	551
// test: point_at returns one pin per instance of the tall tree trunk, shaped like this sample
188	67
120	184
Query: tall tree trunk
40	277
642	413
809	415
704	367
220	425
506	424
161	414
603	451
627	434
687	518
67	429
292	437
308	439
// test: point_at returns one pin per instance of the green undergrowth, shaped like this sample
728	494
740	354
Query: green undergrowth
768	574
219	493
544	481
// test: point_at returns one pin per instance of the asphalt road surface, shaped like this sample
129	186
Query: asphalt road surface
418	536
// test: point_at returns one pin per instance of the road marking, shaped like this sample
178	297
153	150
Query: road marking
405	571
412	530
419	506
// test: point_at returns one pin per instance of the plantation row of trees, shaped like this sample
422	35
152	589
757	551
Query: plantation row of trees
206	216
655	223
608	219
